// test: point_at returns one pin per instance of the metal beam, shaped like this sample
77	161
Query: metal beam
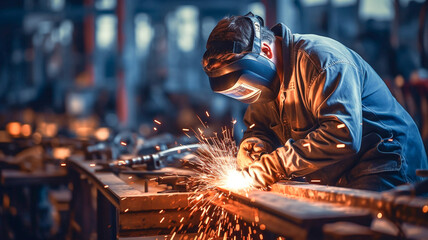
295	218
403	208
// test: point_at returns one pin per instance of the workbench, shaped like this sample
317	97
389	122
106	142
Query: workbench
106	205
123	208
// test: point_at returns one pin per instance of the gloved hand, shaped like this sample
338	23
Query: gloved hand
250	150
265	172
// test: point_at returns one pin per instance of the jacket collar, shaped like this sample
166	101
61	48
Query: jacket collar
287	48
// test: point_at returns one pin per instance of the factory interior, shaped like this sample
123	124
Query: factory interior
106	111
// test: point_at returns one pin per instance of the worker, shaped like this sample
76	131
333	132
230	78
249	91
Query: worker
317	110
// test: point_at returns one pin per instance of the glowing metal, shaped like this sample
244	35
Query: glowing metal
216	167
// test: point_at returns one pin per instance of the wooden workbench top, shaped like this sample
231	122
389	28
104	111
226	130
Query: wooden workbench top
123	194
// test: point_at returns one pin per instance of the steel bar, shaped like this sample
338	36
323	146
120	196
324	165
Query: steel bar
298	219
399	208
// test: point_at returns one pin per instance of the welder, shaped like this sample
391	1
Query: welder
317	111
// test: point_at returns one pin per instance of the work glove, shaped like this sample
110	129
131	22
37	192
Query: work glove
264	172
251	150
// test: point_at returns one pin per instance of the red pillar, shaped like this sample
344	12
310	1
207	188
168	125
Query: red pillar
270	6
89	42
121	99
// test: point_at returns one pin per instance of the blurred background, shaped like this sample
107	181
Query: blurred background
113	79
92	68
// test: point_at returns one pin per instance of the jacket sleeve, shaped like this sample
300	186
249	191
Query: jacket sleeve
258	122
334	98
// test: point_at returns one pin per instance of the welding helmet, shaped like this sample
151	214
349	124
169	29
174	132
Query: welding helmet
252	78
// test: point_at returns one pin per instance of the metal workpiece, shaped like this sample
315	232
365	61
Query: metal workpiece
294	218
178	183
396	207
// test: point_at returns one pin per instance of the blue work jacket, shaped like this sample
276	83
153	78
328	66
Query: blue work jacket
335	118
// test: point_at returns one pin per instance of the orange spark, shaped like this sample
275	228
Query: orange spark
341	125
379	215
122	143
219	228
185	130
156	121
340	145
199	197
252	125
126	210
162	220
63	164
207	113
92	165
155	129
